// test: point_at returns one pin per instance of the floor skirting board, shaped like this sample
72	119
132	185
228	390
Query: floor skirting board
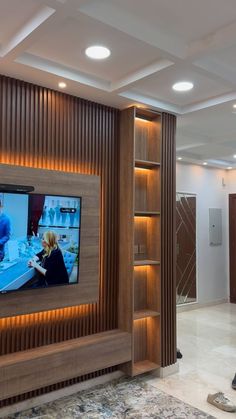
194	306
166	371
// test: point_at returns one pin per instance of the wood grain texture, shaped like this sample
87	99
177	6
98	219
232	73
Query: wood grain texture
46	129
126	222
35	368
151	238
168	232
52	182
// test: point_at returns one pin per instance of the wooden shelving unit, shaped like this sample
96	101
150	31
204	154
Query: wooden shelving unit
140	252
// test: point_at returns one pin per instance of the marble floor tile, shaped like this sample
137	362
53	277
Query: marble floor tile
207	340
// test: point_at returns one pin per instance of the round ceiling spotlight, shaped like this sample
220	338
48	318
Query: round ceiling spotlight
62	85
182	86
179	158
234	106
97	52
204	163
229	168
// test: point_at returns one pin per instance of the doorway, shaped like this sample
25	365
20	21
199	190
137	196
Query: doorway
232	246
186	284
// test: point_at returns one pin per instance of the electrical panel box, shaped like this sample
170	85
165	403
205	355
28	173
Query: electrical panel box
215	226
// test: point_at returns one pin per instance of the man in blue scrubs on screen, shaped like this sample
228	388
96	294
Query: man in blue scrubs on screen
4	230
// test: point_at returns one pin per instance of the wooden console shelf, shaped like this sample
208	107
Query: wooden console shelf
144	366
142	314
25	371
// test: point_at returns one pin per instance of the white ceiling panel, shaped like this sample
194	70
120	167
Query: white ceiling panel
221	62
67	43
187	19
13	16
160	85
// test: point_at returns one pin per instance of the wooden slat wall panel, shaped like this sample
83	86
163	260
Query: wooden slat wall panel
48	129
168	259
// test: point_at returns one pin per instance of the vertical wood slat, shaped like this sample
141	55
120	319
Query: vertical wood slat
168	257
46	129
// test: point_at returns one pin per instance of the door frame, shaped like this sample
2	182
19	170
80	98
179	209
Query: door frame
231	238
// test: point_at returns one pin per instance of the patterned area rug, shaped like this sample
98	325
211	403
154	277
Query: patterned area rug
120	399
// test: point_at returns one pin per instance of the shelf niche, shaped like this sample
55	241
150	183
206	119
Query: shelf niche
147	189
147	136
147	238
147	288
146	354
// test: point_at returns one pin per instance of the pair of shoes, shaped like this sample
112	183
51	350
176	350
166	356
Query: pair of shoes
221	401
178	354
234	383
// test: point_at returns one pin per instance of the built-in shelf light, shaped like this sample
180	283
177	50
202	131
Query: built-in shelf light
97	52
182	86
204	163
179	158
141	119
62	85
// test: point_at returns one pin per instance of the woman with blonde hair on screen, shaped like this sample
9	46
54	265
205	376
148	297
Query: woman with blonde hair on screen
49	263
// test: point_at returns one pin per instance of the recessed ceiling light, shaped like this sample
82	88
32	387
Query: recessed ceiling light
234	106
229	168
62	85
182	86
179	158
234	156
204	163
97	52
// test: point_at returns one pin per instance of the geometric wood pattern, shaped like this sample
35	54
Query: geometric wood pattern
186	248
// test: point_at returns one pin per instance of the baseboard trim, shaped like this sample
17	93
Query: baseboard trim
54	395
166	371
196	305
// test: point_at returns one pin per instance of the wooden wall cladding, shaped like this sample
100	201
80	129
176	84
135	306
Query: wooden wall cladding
168	231
46	129
52	182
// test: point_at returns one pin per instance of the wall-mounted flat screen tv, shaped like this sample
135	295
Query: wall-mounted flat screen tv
39	241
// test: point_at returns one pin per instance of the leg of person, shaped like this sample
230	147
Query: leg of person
234	383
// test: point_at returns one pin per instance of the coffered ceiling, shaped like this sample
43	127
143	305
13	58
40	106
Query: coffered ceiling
153	43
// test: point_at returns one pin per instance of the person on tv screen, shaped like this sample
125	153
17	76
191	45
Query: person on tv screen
51	268
5	229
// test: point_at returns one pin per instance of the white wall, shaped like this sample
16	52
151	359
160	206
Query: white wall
212	261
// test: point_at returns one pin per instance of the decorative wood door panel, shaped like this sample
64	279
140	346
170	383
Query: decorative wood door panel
185	248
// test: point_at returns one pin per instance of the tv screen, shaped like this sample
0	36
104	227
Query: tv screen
39	241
